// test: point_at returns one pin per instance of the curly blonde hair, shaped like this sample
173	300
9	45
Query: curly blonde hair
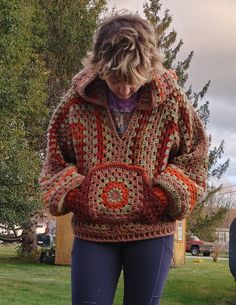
125	50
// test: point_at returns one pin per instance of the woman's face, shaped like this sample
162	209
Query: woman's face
122	90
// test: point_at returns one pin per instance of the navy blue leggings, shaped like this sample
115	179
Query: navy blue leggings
96	269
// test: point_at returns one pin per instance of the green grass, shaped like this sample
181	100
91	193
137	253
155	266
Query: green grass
205	283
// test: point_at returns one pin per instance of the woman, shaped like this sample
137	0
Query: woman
127	154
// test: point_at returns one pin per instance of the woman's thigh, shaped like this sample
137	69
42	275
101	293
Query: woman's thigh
146	266
95	272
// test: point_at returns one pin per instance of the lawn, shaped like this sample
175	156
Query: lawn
204	283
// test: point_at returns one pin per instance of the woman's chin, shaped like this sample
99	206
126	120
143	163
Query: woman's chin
123	97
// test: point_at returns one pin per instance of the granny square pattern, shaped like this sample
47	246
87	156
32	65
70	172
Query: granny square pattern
117	193
128	186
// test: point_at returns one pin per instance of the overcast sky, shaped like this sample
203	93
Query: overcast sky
208	27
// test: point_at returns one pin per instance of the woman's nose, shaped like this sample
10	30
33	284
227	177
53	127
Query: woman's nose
125	90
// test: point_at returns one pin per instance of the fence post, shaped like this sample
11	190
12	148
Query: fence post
232	248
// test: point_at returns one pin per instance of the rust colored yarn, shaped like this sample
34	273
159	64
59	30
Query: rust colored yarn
116	193
131	186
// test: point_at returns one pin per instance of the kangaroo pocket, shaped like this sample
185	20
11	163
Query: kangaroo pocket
118	193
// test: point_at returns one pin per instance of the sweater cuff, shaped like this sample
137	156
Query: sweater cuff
58	186
182	192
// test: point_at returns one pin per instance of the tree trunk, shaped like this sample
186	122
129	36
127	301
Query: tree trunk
29	238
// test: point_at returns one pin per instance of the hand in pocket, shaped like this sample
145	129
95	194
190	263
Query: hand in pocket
117	193
156	204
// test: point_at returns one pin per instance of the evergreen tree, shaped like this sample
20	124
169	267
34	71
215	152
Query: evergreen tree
68	36
23	114
41	44
199	222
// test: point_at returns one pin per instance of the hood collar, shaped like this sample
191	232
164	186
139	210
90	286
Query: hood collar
92	89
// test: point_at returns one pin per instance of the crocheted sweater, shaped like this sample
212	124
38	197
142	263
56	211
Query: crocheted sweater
129	187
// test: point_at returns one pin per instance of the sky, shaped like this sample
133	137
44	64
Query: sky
208	27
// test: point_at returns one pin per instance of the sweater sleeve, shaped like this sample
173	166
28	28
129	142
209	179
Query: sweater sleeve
184	179
59	175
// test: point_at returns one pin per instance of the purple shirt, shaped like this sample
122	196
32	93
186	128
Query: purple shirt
121	109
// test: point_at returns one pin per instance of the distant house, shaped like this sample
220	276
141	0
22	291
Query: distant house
222	232
223	237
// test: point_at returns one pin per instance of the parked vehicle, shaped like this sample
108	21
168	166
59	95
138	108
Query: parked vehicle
44	240
47	244
196	246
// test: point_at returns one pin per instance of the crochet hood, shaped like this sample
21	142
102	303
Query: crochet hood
92	89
